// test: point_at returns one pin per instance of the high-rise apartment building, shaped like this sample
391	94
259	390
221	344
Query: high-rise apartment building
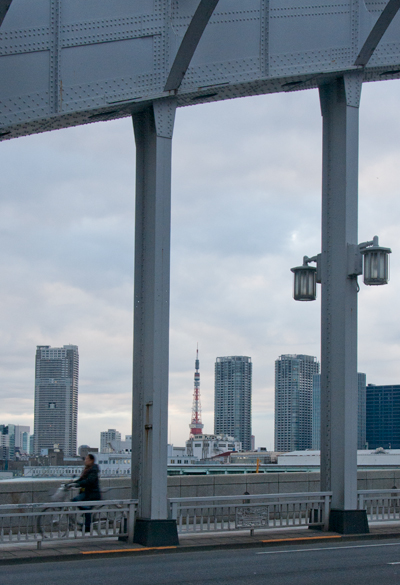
14	441
293	401
232	398
56	398
316	412
106	437
383	416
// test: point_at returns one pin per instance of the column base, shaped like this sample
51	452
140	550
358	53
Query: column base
156	532
348	521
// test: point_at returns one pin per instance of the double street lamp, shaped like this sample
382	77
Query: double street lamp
376	269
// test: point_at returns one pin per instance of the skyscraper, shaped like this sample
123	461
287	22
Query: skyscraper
383	416
293	401
316	413
232	398
106	437
56	398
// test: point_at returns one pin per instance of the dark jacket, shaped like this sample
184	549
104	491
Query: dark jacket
89	483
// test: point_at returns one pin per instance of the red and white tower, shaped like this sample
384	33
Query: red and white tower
196	426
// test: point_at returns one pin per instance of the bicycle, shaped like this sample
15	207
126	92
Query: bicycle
55	520
63	520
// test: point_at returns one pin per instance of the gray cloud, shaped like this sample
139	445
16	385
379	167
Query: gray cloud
246	208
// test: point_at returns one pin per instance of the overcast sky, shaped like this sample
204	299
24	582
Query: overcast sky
246	206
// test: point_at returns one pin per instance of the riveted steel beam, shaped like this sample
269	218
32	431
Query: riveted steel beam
377	32
153	134
340	111
189	43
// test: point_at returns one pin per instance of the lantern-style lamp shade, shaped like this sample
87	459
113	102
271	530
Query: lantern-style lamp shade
376	264
305	283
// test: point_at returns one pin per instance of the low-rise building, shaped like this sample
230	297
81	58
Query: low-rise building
208	446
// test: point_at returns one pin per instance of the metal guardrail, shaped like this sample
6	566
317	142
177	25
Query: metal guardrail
226	513
116	518
66	520
381	505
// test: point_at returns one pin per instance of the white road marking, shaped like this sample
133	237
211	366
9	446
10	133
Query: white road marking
396	563
292	550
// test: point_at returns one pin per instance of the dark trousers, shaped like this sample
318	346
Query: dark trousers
88	517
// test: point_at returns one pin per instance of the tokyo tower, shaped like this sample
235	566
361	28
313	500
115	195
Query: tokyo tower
196	426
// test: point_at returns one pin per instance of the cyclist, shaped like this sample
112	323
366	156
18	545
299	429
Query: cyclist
89	487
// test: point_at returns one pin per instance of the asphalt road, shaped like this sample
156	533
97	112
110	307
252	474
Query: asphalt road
351	563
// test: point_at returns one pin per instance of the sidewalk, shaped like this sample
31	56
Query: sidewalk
81	549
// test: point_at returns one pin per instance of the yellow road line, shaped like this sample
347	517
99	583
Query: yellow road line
94	552
301	538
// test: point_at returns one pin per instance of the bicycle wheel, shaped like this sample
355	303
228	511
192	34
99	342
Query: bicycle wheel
53	523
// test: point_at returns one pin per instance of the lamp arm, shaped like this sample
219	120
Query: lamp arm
306	259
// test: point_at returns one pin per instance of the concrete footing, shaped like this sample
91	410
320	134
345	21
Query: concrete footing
156	532
348	521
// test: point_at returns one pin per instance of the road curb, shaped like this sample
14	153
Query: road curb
112	553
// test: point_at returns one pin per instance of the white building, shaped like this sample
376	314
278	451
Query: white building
113	464
179	456
68	471
106	437
365	458
119	446
208	446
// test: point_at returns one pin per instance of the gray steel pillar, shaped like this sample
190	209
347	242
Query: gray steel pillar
153	135
340	110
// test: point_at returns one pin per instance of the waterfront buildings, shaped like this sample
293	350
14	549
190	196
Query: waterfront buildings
14	441
293	401
383	416
106	437
232	398
209	446
56	398
316	412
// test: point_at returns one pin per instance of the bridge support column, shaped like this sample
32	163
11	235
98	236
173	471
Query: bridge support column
153	129
339	387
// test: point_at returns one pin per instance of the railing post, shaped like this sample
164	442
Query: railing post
174	510
360	501
327	501
131	521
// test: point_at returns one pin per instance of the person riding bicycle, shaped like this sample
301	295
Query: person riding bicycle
89	486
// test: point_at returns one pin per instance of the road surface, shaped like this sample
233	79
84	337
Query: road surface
361	562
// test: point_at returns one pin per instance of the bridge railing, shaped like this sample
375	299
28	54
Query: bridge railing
250	512
67	520
381	505
116	518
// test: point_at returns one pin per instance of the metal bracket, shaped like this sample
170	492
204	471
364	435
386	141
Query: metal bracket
319	268
354	260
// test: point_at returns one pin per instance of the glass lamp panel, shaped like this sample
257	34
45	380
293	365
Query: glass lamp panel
305	284
376	267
